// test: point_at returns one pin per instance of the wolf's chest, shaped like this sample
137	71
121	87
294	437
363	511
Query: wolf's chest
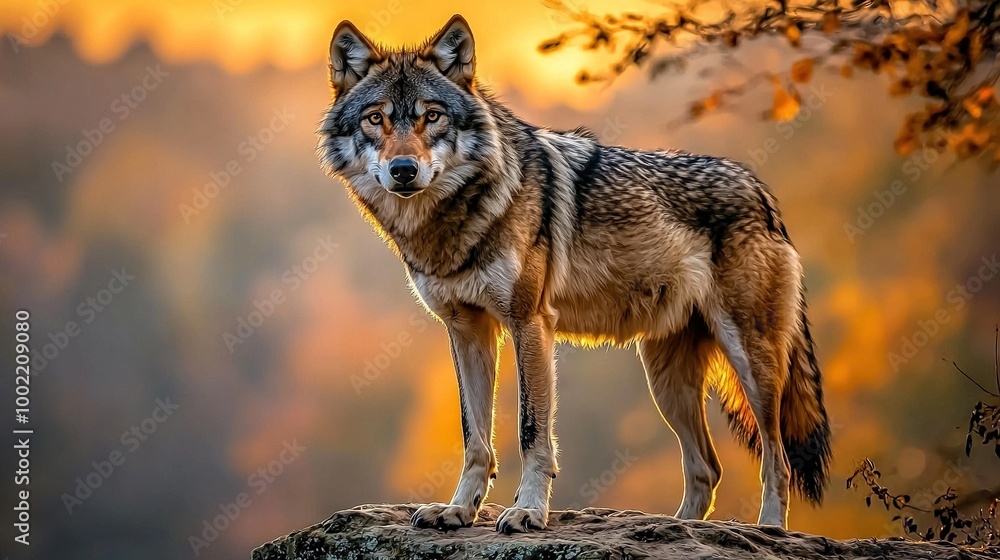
490	287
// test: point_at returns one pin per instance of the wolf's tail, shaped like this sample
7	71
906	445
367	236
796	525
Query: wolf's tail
805	429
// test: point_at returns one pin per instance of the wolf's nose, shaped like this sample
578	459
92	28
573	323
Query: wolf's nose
403	169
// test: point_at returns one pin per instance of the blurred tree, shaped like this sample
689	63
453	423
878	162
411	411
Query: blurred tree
980	529
942	51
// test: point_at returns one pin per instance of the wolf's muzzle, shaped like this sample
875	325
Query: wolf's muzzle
403	170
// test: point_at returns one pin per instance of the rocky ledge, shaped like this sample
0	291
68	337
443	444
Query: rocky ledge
384	532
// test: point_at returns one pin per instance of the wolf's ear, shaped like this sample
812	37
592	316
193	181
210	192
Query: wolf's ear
453	50
351	54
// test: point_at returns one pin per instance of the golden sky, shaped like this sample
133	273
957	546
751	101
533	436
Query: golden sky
241	35
866	295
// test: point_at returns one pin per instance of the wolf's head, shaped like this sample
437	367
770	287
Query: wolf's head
405	121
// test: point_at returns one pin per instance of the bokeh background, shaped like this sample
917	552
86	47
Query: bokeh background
304	375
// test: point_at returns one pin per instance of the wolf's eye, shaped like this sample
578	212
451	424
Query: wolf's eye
432	116
374	118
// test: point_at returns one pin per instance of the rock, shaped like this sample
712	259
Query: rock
384	532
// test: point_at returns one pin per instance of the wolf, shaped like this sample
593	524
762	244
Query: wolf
511	230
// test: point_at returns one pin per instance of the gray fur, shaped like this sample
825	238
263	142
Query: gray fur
546	235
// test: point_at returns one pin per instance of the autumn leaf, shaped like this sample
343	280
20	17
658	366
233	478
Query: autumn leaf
714	100
900	88
931	56
906	140
865	57
916	65
794	35
975	135
700	107
984	95
958	29
970	141
786	103
973	104
972	108
802	70
552	44
831	23
895	44
975	47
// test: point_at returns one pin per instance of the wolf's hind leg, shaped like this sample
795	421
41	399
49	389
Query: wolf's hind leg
676	370
475	339
761	359
770	368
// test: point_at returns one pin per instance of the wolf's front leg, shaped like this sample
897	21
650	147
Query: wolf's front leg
534	343
475	344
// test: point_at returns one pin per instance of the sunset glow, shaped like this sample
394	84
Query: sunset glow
243	35
345	360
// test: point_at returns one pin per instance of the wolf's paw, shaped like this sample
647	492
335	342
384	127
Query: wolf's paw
521	520
443	516
774	521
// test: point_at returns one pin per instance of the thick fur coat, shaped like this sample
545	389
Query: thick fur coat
507	229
